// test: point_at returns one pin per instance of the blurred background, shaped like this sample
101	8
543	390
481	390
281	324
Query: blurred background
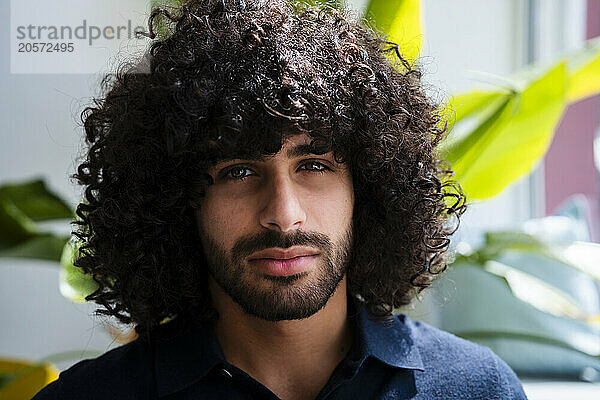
522	78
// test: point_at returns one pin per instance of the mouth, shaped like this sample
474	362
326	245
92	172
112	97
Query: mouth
282	266
279	254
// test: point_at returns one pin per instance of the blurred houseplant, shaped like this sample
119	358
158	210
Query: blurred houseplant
531	295
510	126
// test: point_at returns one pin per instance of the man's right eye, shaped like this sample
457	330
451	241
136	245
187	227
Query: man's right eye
238	173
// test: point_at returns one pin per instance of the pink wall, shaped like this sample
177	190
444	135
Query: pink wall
569	165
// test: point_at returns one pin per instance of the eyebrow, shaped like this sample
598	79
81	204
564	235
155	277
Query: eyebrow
301	150
296	151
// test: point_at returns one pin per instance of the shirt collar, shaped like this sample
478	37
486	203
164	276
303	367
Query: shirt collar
391	341
184	355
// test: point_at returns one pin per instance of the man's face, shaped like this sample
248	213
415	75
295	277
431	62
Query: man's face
277	233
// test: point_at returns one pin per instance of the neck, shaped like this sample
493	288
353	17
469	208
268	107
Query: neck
294	358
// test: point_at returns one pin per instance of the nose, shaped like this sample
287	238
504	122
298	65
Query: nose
283	210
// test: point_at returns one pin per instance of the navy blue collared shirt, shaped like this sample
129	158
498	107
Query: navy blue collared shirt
395	359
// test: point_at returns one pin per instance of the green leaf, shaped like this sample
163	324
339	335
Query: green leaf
42	247
15	225
582	256
401	21
536	292
498	241
36	201
467	104
476	114
20	206
508	144
584	72
470	294
537	275
74	284
499	136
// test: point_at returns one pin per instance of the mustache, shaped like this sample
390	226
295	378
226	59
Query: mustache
249	244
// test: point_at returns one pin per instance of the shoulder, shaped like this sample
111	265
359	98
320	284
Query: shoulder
124	372
460	366
435	345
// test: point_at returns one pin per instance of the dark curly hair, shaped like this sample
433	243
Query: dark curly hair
238	77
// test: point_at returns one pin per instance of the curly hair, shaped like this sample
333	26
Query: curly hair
236	77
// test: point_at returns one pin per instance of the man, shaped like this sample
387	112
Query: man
262	190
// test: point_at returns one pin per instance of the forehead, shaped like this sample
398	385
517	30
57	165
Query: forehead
293	146
296	139
296	146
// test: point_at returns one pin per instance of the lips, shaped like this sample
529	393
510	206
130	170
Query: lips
283	262
284	254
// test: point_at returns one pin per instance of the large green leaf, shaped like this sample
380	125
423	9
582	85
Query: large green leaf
585	256
20	206
538	293
35	200
471	294
476	113
43	247
15	225
584	72
582	256
401	21
515	135
470	104
554	277
498	136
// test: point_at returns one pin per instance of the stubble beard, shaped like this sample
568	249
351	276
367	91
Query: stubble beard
278	298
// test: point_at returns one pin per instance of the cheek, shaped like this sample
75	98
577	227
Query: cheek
345	196
333	208
220	219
